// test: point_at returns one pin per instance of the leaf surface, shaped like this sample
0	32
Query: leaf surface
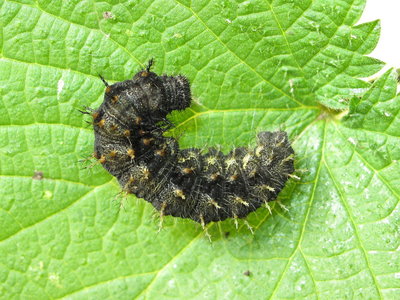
253	66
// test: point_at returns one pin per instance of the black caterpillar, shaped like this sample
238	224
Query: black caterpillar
186	183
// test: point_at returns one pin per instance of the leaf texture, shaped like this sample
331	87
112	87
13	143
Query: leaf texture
254	66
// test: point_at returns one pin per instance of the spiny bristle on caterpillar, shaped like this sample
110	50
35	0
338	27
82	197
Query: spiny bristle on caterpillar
202	185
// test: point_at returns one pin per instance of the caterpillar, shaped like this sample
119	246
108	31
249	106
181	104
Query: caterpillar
204	186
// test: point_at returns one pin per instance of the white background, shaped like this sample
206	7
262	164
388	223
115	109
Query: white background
388	11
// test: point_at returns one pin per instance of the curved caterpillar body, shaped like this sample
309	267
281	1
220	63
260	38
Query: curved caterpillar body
186	183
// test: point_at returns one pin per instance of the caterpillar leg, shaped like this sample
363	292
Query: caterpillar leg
282	205
120	197
249	226
90	159
162	214
268	207
235	219
205	228
294	176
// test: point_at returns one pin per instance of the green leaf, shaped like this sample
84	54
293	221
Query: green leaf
254	66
